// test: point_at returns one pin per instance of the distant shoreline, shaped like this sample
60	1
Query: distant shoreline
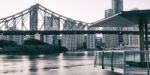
29	47
32	50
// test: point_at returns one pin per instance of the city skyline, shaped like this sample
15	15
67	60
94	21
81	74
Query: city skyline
55	37
84	10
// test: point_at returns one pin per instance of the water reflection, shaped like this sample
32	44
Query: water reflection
62	64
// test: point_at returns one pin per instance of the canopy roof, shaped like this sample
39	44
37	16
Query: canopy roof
123	19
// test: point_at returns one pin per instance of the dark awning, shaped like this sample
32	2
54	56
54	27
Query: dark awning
123	19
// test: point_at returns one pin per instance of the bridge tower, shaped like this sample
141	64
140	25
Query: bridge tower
34	18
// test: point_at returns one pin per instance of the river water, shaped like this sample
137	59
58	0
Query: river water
62	64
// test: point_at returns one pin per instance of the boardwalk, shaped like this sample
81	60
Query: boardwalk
86	70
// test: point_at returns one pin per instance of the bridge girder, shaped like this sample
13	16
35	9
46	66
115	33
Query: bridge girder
67	32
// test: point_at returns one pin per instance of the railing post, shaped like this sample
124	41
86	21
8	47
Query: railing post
147	59
124	64
103	60
134	56
95	61
112	56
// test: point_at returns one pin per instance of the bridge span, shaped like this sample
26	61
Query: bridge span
67	32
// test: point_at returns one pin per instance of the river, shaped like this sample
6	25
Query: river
62	64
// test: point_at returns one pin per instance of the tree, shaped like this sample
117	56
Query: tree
4	43
34	42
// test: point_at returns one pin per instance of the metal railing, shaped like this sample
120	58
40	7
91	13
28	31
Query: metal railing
127	62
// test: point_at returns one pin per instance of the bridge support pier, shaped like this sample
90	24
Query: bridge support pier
34	19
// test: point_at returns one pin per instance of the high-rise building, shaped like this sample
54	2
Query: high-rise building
108	13
80	37
2	37
113	40
73	41
37	36
117	6
99	42
17	38
69	41
91	44
133	40
110	40
51	23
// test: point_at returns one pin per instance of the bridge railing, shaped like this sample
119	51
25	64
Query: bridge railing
127	62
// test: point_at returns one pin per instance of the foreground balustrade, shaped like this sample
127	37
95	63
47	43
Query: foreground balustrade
123	61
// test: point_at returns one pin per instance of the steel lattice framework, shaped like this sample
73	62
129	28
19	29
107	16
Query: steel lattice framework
33	20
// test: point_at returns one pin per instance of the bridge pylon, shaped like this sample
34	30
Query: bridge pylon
34	18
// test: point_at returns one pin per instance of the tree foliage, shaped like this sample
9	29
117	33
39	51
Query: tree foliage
33	49
4	43
31	46
34	42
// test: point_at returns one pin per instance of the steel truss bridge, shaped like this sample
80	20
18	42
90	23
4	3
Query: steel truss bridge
36	18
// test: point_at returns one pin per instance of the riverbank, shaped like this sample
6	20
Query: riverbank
29	47
32	49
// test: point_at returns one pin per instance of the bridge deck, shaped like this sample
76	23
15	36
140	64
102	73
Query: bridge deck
67	32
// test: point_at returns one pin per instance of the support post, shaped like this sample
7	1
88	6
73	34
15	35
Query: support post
95	61
124	66
112	65
146	34
103	60
141	33
146	44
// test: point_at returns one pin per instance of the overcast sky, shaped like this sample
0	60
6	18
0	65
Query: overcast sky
84	10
